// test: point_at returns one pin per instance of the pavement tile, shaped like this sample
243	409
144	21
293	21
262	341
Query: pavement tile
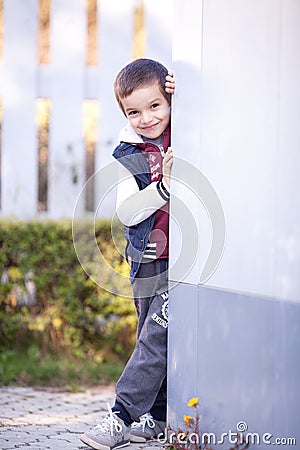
46	419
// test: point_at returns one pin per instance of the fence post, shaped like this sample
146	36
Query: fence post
233	339
19	148
66	147
115	44
116	32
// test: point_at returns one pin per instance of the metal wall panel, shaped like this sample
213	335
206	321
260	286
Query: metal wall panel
240	354
235	121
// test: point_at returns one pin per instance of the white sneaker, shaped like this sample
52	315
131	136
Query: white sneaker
147	428
110	434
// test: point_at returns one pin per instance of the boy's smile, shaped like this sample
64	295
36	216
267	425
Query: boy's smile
147	110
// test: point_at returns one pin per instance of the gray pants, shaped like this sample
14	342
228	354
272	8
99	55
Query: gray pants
142	386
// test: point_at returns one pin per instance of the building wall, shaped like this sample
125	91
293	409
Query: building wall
235	121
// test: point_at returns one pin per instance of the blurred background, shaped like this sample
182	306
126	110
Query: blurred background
59	124
59	118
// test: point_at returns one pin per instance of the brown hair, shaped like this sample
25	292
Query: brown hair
139	73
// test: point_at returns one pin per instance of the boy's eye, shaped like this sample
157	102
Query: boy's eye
155	105
132	113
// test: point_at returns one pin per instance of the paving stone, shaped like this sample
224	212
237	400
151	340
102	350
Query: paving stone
50	419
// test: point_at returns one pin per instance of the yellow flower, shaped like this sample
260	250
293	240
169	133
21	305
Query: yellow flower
187	420
57	322
193	401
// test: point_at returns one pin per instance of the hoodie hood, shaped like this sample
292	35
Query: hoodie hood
129	135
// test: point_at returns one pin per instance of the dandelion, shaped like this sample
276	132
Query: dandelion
188	420
193	401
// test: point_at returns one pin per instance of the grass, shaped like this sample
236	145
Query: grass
30	369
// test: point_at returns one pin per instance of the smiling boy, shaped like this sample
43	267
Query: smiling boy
143	90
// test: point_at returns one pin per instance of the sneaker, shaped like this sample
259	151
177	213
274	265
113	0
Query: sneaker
147	428
110	434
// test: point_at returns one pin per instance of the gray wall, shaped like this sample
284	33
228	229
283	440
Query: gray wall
236	121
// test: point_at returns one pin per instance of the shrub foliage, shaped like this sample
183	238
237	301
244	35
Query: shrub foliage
47	300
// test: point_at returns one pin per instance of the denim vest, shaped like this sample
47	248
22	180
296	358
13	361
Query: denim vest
137	236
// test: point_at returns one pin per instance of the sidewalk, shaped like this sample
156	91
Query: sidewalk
51	419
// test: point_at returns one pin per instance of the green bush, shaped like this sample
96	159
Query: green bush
48	301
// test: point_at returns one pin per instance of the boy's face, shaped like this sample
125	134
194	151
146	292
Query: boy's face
147	110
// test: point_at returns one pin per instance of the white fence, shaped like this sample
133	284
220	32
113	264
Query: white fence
67	82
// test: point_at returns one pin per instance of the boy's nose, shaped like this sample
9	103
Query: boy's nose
146	117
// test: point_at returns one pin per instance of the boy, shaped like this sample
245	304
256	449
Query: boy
143	90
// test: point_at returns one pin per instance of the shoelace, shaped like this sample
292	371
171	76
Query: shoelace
109	423
145	419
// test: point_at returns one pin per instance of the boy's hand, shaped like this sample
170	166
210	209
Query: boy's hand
170	83
167	166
